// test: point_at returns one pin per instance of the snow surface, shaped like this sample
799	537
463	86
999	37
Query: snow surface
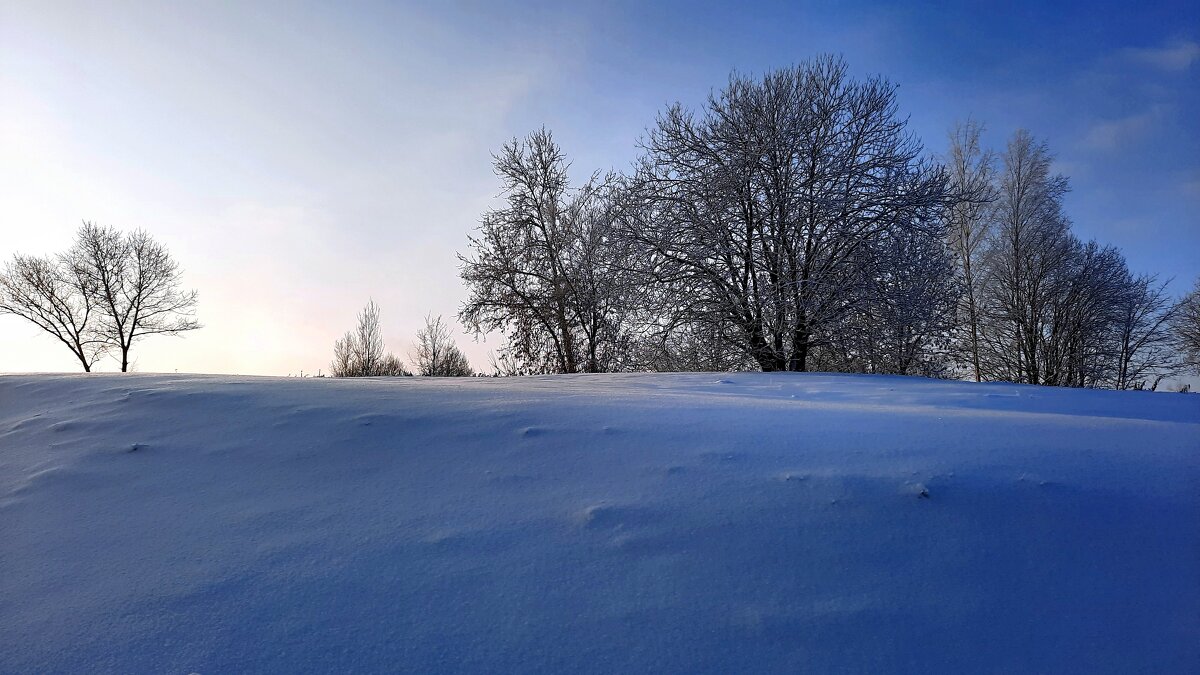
625	523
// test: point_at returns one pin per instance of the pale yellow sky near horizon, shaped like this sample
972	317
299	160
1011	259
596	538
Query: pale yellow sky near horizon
284	218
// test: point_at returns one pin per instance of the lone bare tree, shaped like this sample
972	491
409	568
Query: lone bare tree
56	298
361	352
436	355
105	294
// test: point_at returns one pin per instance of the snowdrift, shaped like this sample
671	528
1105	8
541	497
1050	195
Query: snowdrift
625	523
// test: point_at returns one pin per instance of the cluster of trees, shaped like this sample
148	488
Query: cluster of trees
361	352
1036	303
795	223
102	296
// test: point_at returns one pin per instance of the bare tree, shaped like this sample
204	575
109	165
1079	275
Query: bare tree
361	352
136	286
972	175
539	269
1145	354
518	274
1031	243
793	223
344	363
436	355
1055	310
673	342
902	312
1185	326
106	293
1082	294
757	208
55	297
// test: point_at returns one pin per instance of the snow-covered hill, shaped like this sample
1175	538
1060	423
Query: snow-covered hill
634	523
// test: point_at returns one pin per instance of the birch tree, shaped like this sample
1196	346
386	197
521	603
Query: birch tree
972	176
1031	242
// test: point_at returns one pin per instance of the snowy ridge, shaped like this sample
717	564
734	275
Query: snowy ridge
613	523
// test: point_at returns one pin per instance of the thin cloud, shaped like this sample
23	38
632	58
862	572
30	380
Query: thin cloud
1175	57
1115	133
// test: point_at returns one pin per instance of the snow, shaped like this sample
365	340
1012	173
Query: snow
620	523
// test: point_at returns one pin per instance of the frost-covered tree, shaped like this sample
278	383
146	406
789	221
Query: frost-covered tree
1185	326
1077	345
436	355
901	318
1026	256
972	176
758	206
504	364
1055	310
361	352
793	222
675	343
1145	350
540	269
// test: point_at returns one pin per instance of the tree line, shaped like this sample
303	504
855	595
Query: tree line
792	223
795	223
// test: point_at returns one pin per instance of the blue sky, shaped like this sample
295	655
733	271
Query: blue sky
300	158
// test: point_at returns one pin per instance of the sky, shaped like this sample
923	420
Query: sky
299	159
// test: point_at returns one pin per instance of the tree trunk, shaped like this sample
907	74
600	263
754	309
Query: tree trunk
800	338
